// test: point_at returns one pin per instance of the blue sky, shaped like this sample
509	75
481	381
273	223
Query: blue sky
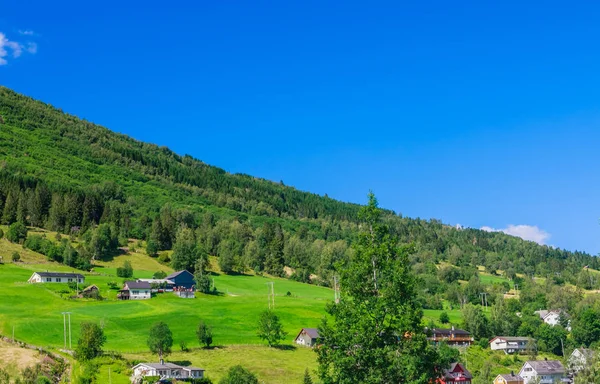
481	114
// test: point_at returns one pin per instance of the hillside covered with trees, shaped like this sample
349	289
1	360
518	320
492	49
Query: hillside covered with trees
69	175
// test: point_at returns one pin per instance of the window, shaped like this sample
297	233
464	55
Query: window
69	280
58	279
80	280
135	292
48	279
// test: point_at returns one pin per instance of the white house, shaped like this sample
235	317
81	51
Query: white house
546	371
165	371
307	337
580	359
135	290
56	277
510	344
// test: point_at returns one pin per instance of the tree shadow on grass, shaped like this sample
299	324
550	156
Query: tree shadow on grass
285	347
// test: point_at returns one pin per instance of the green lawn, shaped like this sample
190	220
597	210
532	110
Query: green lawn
35	309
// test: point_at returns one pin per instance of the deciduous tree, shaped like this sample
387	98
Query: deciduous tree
270	328
160	339
90	341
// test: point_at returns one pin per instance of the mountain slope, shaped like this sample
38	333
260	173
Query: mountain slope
62	173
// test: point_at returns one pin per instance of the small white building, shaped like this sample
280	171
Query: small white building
56	277
166	371
510	344
135	290
580	359
307	337
546	371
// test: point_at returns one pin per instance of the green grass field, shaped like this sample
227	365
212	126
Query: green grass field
34	310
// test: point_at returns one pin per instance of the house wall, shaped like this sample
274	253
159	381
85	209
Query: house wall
139	294
552	319
39	279
184	280
499	380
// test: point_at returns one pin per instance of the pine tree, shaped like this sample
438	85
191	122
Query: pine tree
56	217
34	208
9	213
22	208
307	379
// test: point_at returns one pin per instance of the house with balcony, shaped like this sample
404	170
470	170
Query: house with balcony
456	374
454	337
510	344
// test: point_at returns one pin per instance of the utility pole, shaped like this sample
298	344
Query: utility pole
271	296
336	290
13	333
65	314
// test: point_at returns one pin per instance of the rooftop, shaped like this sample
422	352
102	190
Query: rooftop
137	284
60	274
169	366
547	367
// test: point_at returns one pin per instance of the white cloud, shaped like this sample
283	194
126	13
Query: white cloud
32	48
26	32
10	48
525	232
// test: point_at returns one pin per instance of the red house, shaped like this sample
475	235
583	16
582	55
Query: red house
456	374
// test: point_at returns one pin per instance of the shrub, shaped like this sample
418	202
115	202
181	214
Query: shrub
16	257
164	258
159	275
183	346
444	318
17	232
237	375
126	270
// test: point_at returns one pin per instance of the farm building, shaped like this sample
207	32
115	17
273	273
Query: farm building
182	279
509	378
456	374
56	277
135	290
90	292
307	336
166	371
454	337
510	344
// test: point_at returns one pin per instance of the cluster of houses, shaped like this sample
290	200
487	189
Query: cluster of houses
181	283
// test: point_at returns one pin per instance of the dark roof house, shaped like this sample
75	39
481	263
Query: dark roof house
454	337
183	279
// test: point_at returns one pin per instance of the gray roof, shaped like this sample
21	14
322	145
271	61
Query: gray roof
512	338
312	332
547	367
511	377
60	274
588	353
447	331
138	284
169	366
175	274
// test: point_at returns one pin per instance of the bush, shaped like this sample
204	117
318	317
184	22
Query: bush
164	258
239	375
183	346
159	275
16	257
444	318
126	270
17	232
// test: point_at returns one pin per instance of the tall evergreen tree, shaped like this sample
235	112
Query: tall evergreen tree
22	208
56	215
375	333
9	213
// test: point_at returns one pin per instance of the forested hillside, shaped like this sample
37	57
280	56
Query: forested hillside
72	176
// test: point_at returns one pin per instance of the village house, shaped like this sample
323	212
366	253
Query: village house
580	359
182	279
549	317
454	337
165	371
135	290
56	277
509	378
307	337
456	374
510	344
542	371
